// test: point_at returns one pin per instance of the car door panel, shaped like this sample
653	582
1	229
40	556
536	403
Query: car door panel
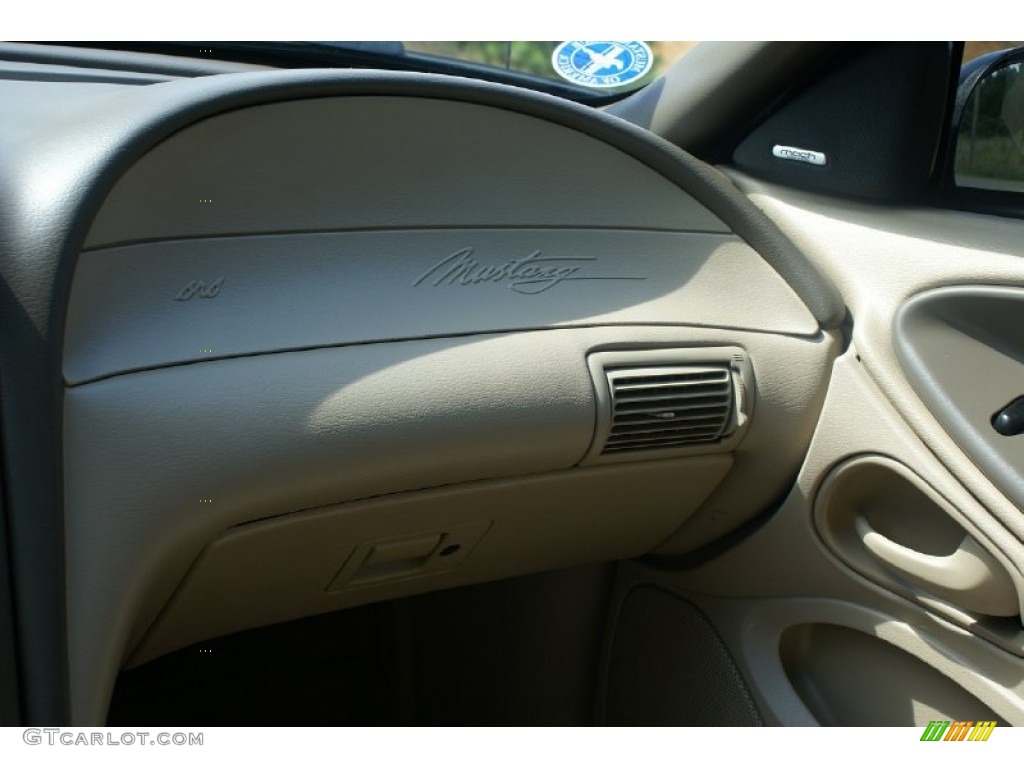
822	602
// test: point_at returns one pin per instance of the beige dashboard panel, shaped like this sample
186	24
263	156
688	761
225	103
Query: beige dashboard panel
289	566
160	463
155	304
334	221
385	162
372	302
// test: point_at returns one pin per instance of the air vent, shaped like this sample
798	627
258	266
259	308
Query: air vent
664	403
667	406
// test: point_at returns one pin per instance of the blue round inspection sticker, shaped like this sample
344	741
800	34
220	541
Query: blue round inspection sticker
602	63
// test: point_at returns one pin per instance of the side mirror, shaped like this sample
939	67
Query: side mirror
988	120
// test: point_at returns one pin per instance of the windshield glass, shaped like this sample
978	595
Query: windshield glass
604	67
591	71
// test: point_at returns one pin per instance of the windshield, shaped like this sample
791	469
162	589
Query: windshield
607	67
591	71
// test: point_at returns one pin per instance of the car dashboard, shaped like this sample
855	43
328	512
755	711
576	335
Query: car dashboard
281	343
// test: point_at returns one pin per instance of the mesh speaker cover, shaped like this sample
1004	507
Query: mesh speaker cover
669	667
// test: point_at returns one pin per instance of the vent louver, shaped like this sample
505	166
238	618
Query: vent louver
667	406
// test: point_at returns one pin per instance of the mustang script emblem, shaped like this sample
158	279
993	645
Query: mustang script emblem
530	274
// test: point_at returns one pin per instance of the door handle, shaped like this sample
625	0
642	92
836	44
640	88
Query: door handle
969	578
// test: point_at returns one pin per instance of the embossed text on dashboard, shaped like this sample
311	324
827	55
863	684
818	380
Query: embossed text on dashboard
530	274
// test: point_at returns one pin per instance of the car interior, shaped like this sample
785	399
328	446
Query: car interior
373	391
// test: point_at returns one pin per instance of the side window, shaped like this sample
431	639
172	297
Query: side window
989	121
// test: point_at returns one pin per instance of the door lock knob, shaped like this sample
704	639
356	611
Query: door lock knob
1010	420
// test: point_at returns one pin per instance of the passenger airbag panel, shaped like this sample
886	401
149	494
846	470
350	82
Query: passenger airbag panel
156	304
